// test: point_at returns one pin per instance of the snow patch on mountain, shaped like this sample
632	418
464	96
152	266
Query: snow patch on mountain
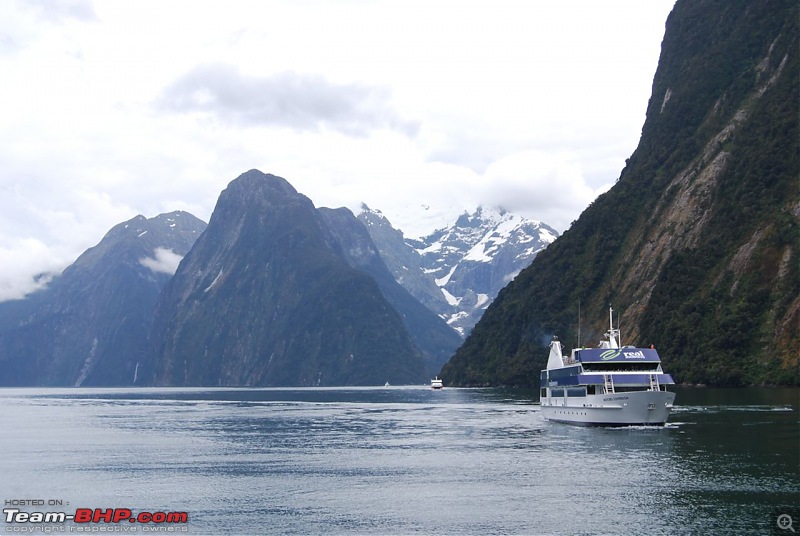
467	262
209	287
474	258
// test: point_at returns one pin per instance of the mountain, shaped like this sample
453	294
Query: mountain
696	245
456	271
268	296
479	255
431	335
91	325
404	262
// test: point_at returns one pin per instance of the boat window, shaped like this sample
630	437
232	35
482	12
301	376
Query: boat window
556	392
629	389
564	373
576	391
638	367
591	389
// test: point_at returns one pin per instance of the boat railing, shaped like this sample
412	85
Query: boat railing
608	380
638	368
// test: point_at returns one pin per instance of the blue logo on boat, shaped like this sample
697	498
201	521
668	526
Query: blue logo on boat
608	355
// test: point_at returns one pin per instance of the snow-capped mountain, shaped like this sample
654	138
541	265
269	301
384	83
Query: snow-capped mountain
468	262
404	262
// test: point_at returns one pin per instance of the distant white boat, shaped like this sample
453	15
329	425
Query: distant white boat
606	386
436	383
386	384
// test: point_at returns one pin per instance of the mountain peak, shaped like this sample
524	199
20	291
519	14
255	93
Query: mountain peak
139	237
264	185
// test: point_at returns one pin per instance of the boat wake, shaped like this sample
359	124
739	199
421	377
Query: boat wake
745	408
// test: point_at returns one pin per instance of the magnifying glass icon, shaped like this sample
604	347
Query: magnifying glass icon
785	522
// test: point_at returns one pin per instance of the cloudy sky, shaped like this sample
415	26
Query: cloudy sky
422	109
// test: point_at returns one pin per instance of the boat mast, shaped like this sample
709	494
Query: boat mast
613	334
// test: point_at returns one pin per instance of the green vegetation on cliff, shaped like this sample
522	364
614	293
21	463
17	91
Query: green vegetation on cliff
697	244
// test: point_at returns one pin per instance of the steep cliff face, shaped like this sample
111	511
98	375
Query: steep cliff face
431	335
91	325
696	245
267	297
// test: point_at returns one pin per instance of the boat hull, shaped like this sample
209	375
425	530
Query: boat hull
613	409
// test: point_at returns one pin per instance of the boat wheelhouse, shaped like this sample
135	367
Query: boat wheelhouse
611	385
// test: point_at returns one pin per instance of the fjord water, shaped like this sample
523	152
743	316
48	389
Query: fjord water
402	460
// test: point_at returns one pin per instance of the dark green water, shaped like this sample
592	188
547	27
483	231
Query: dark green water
400	461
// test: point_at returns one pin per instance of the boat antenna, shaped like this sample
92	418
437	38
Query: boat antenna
579	323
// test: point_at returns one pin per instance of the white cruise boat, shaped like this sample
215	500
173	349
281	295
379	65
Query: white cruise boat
436	383
606	386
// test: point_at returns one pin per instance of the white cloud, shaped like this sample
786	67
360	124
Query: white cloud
164	261
303	102
550	187
22	269
42	233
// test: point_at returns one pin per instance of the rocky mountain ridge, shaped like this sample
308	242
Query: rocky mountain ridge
457	271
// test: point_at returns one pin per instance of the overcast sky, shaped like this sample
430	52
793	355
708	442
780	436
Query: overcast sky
420	109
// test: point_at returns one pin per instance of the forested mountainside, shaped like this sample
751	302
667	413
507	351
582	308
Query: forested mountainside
696	245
